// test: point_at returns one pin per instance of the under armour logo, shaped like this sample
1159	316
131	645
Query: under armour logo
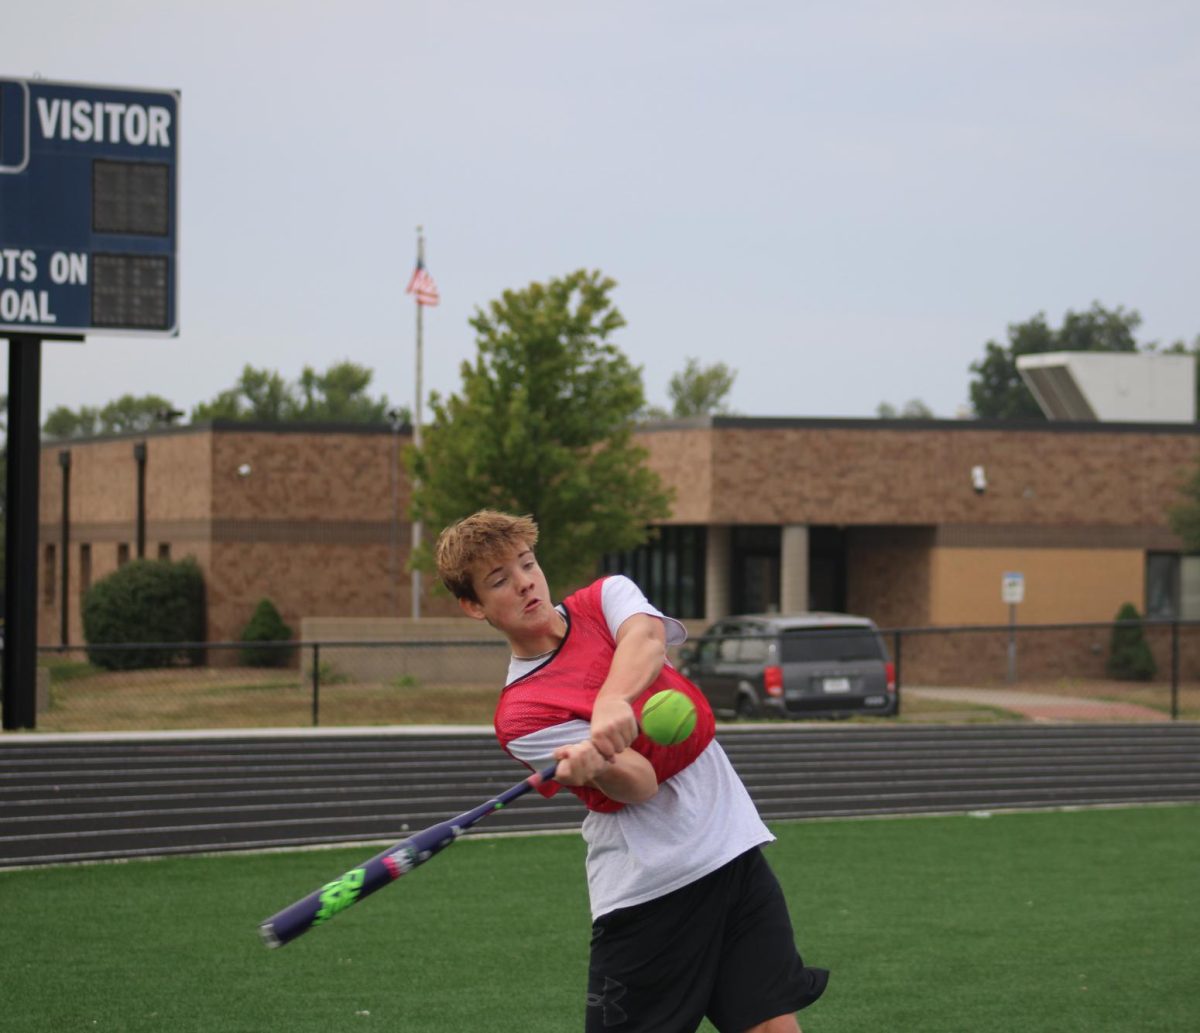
613	992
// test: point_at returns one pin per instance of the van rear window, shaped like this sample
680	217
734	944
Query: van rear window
820	645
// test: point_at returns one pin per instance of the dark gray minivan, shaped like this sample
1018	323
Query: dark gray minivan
803	665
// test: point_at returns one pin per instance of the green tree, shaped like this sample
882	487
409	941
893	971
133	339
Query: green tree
259	396
128	414
997	391
914	409
64	422
339	395
695	391
543	425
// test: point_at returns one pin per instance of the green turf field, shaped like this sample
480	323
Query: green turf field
1051	922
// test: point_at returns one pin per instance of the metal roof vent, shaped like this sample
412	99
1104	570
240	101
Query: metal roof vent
1143	387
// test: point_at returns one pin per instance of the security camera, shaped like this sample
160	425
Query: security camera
978	479
243	470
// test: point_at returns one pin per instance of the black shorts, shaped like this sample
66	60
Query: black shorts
721	947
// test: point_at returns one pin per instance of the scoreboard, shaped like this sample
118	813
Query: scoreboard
89	209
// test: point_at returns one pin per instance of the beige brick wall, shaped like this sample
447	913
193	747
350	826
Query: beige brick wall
888	576
898	579
103	512
1073	510
312	579
1061	585
684	460
872	476
313	524
482	661
179	477
318	524
1049	657
321	477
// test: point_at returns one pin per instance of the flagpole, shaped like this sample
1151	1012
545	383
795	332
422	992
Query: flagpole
416	527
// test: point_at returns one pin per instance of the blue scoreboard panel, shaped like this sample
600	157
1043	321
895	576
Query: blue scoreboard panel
89	209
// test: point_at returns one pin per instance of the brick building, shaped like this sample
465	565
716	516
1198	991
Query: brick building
910	522
311	517
887	518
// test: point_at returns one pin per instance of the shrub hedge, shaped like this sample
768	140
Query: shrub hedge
146	601
266	625
1129	656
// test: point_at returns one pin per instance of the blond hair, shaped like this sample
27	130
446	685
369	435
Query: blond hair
485	535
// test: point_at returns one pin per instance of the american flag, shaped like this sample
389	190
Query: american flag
422	285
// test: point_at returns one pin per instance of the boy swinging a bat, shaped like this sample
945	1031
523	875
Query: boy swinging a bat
688	919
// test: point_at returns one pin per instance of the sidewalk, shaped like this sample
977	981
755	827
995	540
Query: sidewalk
1039	706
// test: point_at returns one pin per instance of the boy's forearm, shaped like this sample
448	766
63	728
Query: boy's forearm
628	778
638	659
640	654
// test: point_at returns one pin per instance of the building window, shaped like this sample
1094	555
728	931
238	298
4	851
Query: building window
164	550
85	568
827	569
49	579
122	554
756	574
669	569
1162	584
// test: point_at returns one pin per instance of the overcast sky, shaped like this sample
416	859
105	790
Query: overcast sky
842	201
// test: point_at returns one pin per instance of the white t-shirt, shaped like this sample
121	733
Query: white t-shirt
699	819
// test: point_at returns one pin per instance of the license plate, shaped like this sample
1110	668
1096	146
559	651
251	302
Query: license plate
837	685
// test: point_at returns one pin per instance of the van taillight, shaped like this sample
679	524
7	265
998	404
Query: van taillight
891	676
773	681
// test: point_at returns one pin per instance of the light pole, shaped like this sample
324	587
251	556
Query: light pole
64	462
395	420
139	456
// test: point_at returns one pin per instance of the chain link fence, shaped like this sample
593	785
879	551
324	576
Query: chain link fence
1115	671
268	685
965	674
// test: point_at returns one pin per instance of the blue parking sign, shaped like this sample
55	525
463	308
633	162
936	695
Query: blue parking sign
89	209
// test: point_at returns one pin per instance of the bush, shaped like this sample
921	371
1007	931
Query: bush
266	626
1129	656
146	601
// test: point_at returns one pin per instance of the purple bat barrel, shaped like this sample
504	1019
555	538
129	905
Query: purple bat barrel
334	897
387	866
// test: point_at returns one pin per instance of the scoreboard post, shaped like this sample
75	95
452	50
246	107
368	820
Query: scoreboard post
89	217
